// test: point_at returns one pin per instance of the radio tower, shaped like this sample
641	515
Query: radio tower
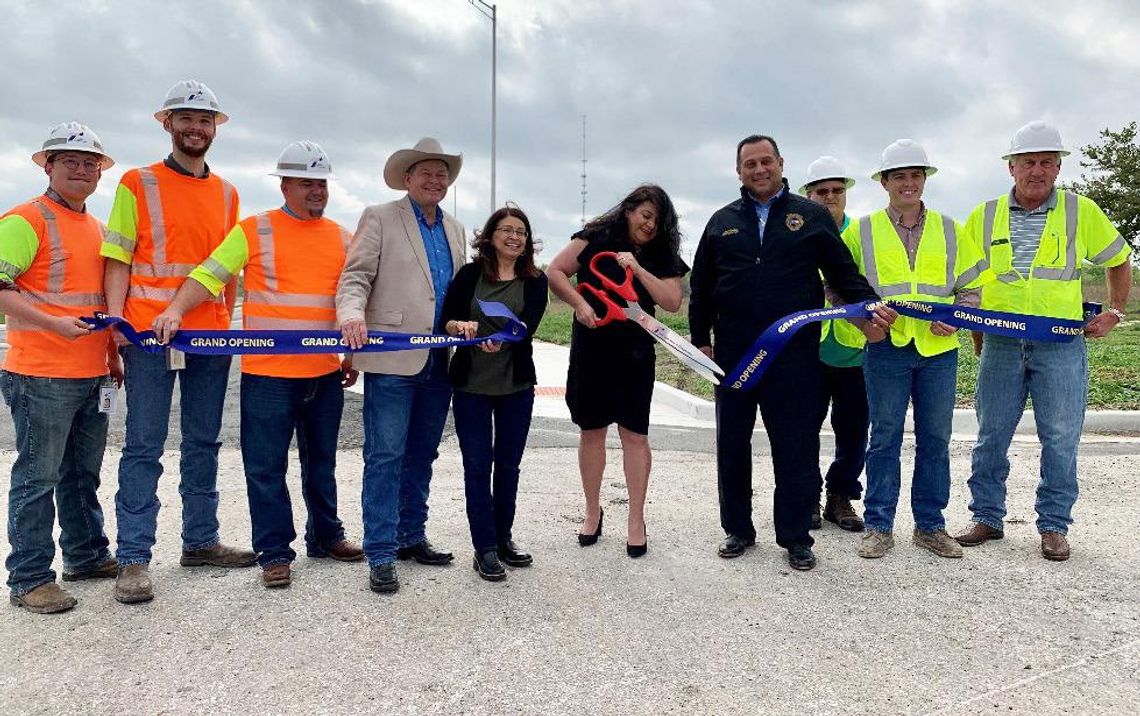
583	170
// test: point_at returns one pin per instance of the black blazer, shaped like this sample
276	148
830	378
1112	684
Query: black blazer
457	307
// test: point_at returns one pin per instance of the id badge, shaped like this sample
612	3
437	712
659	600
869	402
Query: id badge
175	359
108	399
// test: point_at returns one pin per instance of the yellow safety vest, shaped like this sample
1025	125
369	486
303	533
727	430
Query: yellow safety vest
1076	230
943	265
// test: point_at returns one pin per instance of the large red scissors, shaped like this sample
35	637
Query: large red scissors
685	351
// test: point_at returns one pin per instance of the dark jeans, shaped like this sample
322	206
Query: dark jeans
272	410
403	424
850	419
492	431
789	401
60	437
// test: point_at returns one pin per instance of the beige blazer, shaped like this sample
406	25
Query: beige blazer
387	281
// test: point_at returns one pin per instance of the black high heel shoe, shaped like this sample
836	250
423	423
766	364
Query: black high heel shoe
638	550
587	540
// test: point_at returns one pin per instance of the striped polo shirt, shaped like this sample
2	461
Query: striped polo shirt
1025	229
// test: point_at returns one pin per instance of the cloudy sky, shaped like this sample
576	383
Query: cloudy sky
668	88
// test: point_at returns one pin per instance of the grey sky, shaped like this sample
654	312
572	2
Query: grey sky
669	87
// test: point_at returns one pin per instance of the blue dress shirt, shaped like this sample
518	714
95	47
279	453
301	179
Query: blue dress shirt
762	209
438	255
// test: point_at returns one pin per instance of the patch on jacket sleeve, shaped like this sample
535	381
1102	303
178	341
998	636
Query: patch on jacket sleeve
794	222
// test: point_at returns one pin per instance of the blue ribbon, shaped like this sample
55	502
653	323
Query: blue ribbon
306	342
1013	325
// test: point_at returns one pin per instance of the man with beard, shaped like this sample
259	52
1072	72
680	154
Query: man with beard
166	219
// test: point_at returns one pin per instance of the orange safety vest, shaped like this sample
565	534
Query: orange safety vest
290	284
181	221
65	279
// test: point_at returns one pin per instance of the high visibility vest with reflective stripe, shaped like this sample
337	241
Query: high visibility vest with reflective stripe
1053	286
846	334
942	265
290	284
64	279
181	220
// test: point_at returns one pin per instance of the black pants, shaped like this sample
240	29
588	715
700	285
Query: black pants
850	419
790	405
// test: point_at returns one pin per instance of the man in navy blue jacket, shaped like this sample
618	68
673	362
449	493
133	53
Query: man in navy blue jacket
758	260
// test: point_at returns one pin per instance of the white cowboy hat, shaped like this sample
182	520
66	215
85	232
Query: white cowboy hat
427	148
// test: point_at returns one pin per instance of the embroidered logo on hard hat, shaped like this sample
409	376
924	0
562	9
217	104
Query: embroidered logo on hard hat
730	232
794	222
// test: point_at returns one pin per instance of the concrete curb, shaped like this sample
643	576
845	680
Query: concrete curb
965	419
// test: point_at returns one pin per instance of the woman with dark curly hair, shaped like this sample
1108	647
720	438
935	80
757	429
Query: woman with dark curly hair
494	383
612	366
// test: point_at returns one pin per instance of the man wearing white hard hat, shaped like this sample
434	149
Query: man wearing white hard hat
166	219
841	358
292	258
398	270
1037	238
55	373
908	252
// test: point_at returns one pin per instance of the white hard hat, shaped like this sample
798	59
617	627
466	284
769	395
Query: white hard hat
1037	136
304	160
903	154
72	137
827	167
191	94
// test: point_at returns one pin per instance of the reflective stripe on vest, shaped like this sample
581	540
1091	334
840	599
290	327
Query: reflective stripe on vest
56	255
1069	272
871	269
271	297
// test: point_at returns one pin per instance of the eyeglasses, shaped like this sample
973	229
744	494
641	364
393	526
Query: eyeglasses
839	191
512	231
72	163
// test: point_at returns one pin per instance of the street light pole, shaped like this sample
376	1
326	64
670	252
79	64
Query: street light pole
491	11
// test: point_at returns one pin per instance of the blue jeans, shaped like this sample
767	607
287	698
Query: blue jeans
895	377
150	389
1055	376
492	431
60	437
403	424
272	410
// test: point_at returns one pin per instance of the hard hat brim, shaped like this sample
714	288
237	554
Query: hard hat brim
220	117
298	174
930	171
1037	150
847	182
40	157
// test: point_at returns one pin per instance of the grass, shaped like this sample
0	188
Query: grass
1114	361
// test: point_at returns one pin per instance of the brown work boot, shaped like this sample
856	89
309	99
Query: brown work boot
48	598
939	542
276	575
1054	546
343	551
875	544
840	511
133	584
816	520
976	534
107	570
218	555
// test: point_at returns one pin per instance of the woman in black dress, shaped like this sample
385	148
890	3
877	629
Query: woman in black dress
612	367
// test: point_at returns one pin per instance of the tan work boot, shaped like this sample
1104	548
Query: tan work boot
49	598
939	542
107	570
218	555
1054	547
976	534
133	584
876	544
839	510
276	575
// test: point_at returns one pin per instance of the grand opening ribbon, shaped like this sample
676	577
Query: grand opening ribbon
241	342
1013	325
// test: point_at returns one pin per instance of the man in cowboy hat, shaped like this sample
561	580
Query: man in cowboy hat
397	272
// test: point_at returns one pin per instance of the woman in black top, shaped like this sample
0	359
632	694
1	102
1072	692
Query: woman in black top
612	367
494	383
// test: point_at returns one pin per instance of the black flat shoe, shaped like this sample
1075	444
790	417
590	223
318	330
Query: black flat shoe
489	567
800	557
382	578
587	540
424	553
512	555
734	546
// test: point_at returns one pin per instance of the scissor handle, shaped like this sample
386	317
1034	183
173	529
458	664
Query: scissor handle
624	289
613	312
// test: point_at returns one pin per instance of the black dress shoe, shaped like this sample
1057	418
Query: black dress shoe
816	518
734	546
512	555
382	578
800	557
587	540
637	550
489	567
424	553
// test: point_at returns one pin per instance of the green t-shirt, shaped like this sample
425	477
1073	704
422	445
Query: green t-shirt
831	351
494	373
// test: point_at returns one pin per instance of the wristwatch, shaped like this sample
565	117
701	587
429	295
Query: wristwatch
1118	313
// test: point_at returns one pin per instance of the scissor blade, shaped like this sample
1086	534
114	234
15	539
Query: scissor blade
685	351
